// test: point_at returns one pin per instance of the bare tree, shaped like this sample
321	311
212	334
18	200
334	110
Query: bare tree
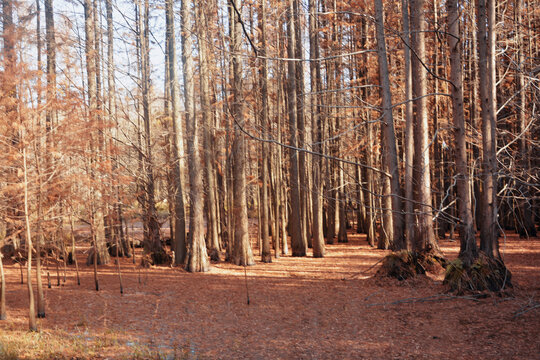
242	253
394	220
297	240
424	237
468	249
317	124
488	86
180	248
197	258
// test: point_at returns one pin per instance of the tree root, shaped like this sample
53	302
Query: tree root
485	273
404	265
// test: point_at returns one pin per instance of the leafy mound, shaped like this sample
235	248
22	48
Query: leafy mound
404	264
485	273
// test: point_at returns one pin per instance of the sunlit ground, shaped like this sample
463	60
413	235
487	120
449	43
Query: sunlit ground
302	308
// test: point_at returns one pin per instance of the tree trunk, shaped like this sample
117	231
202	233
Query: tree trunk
527	227
395	228
31	308
317	128
179	237
468	250
424	235
409	138
212	239
243	254
100	246
489	242
197	258
297	240
266	255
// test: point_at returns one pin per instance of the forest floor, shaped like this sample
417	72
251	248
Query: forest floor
300	308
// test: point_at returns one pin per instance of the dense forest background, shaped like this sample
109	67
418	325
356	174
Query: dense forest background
412	121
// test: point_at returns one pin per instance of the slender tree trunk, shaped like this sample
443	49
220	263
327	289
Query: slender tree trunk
100	248
212	238
486	56
197	258
177	156
31	307
297	240
266	255
424	235
468	250
391	158
317	124
527	229
152	241
409	139
243	254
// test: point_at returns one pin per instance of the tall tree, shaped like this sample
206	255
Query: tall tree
99	255
297	240
424	237
212	238
266	255
468	249
409	140
486	24
394	220
152	241
180	248
197	258
242	253
317	123
31	306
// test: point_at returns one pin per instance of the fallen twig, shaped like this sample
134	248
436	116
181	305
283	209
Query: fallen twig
362	272
531	305
436	297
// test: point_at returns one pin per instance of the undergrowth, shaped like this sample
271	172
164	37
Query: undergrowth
404	264
485	273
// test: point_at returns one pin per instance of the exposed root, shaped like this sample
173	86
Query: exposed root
485	273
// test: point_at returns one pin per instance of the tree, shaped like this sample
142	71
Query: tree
99	255
179	237
266	255
297	240
468	249
486	23
197	258
394	220
242	253
424	237
317	123
208	128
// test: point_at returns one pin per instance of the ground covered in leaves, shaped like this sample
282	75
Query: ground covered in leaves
300	308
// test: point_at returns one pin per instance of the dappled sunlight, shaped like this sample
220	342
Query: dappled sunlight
300	307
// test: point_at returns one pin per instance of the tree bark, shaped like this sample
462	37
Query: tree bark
489	242
395	228
409	138
424	235
100	247
197	258
266	255
468	250
31	307
297	240
177	156
243	254
317	128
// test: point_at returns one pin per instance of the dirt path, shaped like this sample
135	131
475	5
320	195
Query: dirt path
300	308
